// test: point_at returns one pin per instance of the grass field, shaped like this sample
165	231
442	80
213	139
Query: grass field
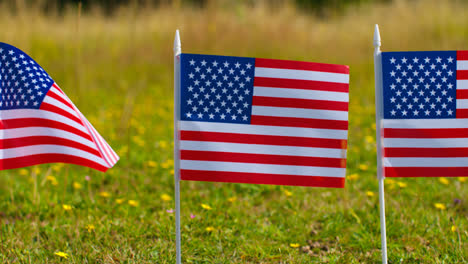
118	71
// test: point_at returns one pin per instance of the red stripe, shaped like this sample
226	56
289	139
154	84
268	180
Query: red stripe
262	158
298	122
24	161
299	103
462	94
261	178
95	140
50	93
426	133
426	171
425	152
462	113
263	139
39	122
462	54
52	108
58	88
301	65
44	140
462	74
301	84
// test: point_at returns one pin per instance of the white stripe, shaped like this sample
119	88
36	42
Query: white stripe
59	104
462	103
263	149
36	113
49	149
462	65
99	143
261	168
300	94
302	75
425	162
44	131
462	84
263	130
425	143
299	112
425	123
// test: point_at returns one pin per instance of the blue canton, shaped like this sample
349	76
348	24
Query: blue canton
418	85
23	83
216	88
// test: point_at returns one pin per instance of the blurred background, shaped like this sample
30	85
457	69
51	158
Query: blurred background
114	59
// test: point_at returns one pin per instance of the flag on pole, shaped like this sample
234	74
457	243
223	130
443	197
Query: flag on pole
425	117
38	122
263	121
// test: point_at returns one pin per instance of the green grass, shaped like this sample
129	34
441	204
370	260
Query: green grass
118	71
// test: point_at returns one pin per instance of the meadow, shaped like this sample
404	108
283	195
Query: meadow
118	70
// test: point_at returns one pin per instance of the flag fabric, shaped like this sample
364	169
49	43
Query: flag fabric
39	123
263	121
425	117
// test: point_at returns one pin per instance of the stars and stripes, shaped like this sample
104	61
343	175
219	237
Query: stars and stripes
425	110
39	123
263	121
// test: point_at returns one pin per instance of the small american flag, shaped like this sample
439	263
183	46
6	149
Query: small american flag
263	121
39	123
425	123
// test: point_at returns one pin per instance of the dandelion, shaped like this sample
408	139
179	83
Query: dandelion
137	140
166	197
390	181
61	254
363	167
294	245
119	200
104	194
152	164
90	228
232	199
57	167
454	228
77	185
288	193
353	177
168	163
163	144
444	181
206	207
462	179
66	207
370	194
23	172
210	229
133	203
369	139
373	126
402	184
440	206
171	172
52	180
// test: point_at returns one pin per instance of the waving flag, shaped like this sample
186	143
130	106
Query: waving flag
425	123
263	121
39	123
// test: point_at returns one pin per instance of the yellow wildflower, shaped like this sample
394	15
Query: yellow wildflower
370	194
138	140
152	164
294	245
440	206
462	179
369	139
23	172
163	144
104	194
168	163
454	228
36	170
171	172
52	180
373	126
66	207
210	229
61	254
119	200
166	197
288	193
402	184
57	167
133	203
363	167
90	228
77	185
389	181
444	181
353	177
232	199
206	207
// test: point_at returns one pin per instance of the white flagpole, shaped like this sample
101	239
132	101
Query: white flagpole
177	52
378	131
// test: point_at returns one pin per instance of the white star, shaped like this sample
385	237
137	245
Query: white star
226	64
410	67
427	99
421	106
410	80
225	77
219	84
421	66
444	66
233	117
433	66
444	79
415	99
421	80
203	63
398	67
438	85
200	115
398	93
192	62
392	86
410	106
214	76
444	105
205	109
404	99
432	106
244	118
438	73
248	65
208	70
426	60
444	92
427	112
393	100
202	76
415	60
228	110
450	73
433	79
432	93
415	73
194	108
438	99
415	86
450	98
247	79
393	112
224	90
242	72
197	82
246	105
450	112
438	112
215	64
398	80
231	71
427	73
439	60
392	73
410	93
415	112
211	116
404	86
450	59
189	115
191	76
404	112
230	84
392	60
421	93
197	69
217	109
220	70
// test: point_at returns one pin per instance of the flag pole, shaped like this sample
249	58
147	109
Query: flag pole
177	52
378	131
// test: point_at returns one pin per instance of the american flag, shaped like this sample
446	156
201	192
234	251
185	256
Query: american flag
263	121
39	123
425	122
